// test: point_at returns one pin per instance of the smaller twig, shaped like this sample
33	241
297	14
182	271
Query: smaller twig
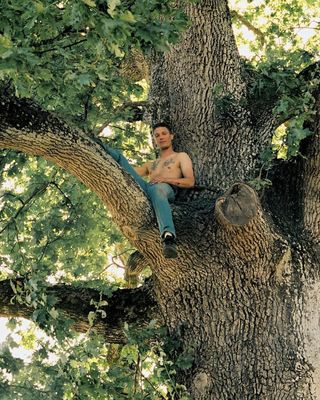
136	374
87	101
134	103
29	389
68	200
67	31
306	27
48	242
116	127
17	240
150	383
126	104
24	204
62	47
153	386
104	269
12	195
251	27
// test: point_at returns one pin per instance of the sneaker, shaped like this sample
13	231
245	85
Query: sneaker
169	246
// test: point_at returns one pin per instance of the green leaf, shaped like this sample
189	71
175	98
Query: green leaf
91	317
39	7
53	313
112	4
90	3
116	50
127	16
5	42
84	79
12	323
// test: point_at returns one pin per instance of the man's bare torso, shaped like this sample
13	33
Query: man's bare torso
168	167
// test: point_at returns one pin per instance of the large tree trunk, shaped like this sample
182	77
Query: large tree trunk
235	300
244	294
183	82
241	297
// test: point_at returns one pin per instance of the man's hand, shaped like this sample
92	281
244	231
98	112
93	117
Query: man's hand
187	180
159	179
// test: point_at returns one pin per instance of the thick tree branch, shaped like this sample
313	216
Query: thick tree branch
135	66
26	127
238	206
135	265
311	181
311	71
126	305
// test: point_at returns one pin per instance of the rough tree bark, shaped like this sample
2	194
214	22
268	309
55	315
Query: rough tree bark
243	296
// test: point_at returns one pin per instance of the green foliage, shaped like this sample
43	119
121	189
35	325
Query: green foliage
280	27
279	80
55	230
51	224
85	367
279	40
227	106
132	142
66	55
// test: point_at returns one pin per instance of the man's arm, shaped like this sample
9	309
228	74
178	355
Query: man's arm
142	170
187	181
187	171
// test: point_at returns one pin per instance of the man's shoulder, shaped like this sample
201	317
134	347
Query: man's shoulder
182	155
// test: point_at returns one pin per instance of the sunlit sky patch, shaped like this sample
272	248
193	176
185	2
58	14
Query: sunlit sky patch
18	352
305	33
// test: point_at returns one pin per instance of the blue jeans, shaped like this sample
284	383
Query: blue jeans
159	193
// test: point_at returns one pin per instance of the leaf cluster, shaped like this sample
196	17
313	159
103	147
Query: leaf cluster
50	223
85	367
66	55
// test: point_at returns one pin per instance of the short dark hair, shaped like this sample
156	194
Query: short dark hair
162	125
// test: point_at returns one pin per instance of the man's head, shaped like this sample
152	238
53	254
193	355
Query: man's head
162	135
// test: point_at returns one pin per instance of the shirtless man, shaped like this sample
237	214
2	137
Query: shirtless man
170	167
168	172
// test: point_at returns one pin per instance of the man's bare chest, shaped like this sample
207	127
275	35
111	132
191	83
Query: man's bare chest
167	167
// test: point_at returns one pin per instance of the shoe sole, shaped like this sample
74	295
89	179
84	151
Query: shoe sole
170	253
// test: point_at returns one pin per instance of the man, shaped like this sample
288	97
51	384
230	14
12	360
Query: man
168	172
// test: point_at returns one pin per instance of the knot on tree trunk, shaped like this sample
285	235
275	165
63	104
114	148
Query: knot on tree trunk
244	234
237	206
201	384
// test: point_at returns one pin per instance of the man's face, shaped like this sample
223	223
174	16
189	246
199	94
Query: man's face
163	137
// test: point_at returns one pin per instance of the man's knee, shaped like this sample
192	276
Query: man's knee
160	190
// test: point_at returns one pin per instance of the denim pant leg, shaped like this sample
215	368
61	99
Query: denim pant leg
160	194
123	162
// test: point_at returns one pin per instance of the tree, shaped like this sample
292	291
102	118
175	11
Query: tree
242	296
